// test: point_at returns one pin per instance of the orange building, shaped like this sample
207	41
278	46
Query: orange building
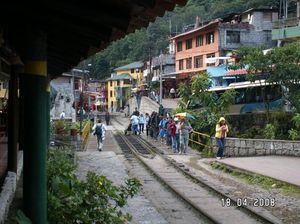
211	43
194	47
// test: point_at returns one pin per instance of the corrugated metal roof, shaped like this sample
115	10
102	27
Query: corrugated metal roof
120	77
133	65
236	72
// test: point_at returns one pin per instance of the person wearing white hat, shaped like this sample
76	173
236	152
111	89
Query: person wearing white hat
221	134
177	134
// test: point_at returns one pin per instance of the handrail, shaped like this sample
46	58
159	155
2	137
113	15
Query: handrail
86	133
199	134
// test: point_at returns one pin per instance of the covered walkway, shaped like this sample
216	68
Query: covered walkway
47	39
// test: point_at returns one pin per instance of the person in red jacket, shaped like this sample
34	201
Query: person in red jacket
172	131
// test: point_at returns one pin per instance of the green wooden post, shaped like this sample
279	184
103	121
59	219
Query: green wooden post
48	112
13	121
34	117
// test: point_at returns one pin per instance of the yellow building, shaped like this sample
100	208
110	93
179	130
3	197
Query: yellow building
118	91
135	70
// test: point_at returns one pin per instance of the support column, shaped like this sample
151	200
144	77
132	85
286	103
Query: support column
48	108
33	90
13	125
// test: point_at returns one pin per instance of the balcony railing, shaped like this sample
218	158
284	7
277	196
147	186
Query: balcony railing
289	22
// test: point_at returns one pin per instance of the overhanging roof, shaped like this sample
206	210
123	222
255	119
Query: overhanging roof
120	77
76	29
133	65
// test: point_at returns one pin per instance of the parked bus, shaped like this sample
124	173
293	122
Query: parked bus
254	96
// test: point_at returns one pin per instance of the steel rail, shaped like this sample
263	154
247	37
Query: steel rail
145	144
245	209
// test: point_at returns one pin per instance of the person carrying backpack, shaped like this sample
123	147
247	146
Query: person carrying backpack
99	130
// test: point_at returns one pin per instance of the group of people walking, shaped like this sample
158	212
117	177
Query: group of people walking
173	132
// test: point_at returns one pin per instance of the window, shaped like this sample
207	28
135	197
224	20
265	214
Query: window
132	70
268	35
210	56
110	83
126	81
210	38
199	41
111	93
198	61
179	46
233	37
188	63
118	82
188	44
180	64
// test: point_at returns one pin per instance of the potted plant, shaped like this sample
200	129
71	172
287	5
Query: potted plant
60	126
73	129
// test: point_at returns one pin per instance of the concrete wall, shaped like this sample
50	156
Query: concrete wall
236	147
9	188
248	36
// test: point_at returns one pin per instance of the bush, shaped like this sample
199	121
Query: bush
269	131
294	133
94	200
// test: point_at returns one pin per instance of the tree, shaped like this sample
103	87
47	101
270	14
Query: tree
279	65
209	106
258	66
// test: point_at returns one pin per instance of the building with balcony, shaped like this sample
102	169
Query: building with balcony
287	28
211	43
97	95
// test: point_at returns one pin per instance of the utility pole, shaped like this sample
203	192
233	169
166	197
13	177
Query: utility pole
160	79
81	99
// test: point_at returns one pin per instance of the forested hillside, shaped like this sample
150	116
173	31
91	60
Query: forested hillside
146	43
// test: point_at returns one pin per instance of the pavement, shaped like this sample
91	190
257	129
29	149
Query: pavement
170	103
110	163
278	167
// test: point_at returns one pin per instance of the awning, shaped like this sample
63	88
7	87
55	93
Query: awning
236	72
214	59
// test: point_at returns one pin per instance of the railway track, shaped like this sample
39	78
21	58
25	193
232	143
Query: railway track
173	209
206	200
